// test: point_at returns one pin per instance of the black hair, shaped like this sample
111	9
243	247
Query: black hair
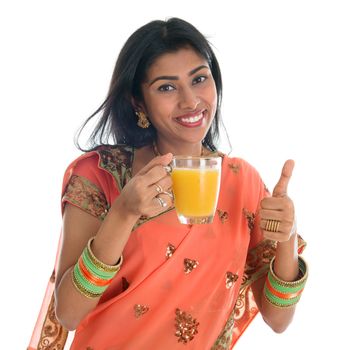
118	121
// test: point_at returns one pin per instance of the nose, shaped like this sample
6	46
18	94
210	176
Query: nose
188	99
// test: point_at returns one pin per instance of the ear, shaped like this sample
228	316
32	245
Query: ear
137	106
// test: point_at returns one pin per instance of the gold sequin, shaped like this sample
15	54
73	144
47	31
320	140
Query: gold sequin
231	278
190	265
250	217
170	249
186	326
140	310
223	215
235	168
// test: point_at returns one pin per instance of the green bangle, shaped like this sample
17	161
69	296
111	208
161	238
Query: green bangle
81	289
95	270
279	301
290	284
85	283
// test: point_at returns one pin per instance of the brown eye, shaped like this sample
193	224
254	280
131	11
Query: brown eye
199	79
166	88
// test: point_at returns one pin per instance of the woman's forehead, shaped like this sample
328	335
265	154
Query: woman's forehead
179	62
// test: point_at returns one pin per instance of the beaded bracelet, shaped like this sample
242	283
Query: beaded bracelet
90	276
283	293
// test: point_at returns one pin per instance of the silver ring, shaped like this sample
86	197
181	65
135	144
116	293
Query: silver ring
161	201
168	169
169	194
159	188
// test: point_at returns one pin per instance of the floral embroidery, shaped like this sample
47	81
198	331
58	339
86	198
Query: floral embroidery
87	196
117	161
53	335
257	265
125	284
140	310
250	217
186	326
231	278
170	249
235	168
190	265
223	215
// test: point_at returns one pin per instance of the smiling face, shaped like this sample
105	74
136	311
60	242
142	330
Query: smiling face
180	99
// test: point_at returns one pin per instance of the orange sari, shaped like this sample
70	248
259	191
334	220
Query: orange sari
180	285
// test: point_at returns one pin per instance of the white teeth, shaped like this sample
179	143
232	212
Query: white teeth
192	119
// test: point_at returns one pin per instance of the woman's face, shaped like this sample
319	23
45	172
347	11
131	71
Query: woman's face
180	97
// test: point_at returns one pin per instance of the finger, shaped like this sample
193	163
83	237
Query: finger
155	174
280	189
162	185
161	160
274	203
266	214
284	226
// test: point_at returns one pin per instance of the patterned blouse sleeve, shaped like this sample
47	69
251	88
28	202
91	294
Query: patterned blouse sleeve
83	188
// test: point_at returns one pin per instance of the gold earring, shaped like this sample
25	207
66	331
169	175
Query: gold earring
143	122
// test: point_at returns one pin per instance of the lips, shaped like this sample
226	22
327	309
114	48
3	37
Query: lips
192	120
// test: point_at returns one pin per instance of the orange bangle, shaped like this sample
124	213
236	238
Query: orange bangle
90	277
281	295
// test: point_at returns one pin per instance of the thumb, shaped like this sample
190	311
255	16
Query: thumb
280	189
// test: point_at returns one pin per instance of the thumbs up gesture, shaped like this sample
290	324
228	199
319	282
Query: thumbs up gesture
277	212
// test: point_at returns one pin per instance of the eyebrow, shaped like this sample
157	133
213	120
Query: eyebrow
174	77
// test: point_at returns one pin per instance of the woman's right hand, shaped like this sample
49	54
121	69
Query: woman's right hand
139	196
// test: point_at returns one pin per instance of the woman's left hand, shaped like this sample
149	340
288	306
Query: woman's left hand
277	220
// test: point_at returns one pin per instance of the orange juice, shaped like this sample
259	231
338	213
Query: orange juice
195	191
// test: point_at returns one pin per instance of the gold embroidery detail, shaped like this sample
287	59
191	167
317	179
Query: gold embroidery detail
170	249
250	217
140	310
223	215
186	326
235	168
231	278
53	335
83	193
190	265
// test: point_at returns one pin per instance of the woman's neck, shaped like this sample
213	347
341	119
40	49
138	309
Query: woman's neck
163	147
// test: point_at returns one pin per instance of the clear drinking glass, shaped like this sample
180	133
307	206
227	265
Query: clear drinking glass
196	187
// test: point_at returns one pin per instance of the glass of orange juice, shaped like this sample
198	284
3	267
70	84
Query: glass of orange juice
196	186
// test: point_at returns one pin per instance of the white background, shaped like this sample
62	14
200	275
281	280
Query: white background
286	78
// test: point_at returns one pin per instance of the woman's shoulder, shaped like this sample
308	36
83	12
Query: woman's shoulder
105	158
238	165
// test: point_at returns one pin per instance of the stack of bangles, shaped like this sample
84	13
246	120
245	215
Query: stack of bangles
90	276
282	293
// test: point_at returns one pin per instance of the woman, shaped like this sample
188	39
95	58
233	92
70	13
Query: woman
129	275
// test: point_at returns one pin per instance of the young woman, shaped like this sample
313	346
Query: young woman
129	275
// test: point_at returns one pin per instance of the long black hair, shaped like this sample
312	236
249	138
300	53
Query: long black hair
118	122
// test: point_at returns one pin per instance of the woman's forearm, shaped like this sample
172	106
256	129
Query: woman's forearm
287	269
109	242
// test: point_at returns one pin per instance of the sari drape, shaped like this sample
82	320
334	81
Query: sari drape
180	285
